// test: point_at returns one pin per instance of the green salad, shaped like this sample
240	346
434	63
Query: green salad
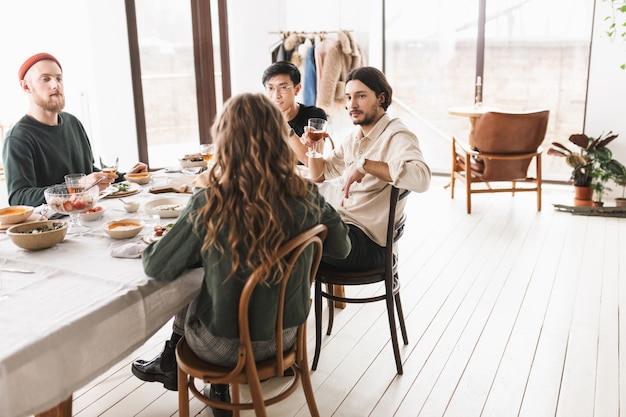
45	228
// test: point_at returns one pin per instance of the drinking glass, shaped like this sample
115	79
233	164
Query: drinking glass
317	132
61	200
108	164
207	150
75	183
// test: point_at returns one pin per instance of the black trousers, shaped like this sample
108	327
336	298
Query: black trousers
365	253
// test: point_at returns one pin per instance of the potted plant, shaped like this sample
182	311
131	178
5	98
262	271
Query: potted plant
621	181
593	164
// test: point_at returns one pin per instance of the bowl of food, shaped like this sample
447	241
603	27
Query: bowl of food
65	201
192	161
138	177
93	214
167	207
124	228
15	214
38	235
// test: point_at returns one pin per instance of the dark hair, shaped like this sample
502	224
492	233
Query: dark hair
375	80
280	68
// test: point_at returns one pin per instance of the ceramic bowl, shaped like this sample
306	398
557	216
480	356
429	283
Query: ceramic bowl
38	235
186	163
138	177
167	207
124	228
131	206
15	214
93	214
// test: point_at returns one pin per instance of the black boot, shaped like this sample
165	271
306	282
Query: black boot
162	368
219	392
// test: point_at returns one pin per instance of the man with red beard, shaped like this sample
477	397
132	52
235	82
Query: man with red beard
379	153
47	143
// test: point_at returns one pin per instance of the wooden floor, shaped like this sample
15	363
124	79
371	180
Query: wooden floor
510	312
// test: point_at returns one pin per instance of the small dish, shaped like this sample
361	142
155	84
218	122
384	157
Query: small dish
130	206
138	177
167	207
38	235
92	214
124	228
15	214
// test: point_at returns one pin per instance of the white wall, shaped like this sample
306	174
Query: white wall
606	102
90	40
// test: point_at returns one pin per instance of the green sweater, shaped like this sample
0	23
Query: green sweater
218	301
37	155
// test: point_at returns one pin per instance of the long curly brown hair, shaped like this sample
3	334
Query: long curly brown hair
253	185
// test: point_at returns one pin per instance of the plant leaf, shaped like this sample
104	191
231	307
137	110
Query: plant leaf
580	139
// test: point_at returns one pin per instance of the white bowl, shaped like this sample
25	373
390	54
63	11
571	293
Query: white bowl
186	163
124	228
167	207
15	214
138	177
131	206
22	234
93	214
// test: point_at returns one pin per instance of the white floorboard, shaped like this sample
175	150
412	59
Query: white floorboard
511	313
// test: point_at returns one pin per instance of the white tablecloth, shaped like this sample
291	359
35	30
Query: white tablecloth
80	313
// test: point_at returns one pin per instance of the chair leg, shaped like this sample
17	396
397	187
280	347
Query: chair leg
454	165
257	398
468	183
318	324
331	309
307	386
539	182
405	335
183	394
235	398
392	327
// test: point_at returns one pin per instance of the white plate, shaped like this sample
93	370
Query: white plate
133	188
152	237
168	207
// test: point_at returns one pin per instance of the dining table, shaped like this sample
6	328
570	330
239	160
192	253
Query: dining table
473	113
70	312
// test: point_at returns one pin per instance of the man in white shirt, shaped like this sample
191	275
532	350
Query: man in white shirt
382	152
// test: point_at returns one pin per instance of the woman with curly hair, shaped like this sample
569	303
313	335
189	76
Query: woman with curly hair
254	201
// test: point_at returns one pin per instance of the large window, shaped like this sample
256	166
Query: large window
165	41
536	55
175	70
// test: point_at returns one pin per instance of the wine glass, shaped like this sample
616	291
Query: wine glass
75	182
61	200
317	132
207	150
109	164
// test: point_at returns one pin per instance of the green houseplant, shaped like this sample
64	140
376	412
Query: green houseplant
593	164
621	181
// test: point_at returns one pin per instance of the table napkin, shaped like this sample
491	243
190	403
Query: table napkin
129	250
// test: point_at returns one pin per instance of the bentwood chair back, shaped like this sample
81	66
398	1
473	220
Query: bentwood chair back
387	274
504	146
247	371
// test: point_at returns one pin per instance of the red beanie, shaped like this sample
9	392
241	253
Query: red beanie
32	61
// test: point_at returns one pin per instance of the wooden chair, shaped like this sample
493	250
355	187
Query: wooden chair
247	371
504	146
386	273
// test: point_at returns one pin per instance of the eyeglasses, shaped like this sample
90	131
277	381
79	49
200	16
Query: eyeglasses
282	88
